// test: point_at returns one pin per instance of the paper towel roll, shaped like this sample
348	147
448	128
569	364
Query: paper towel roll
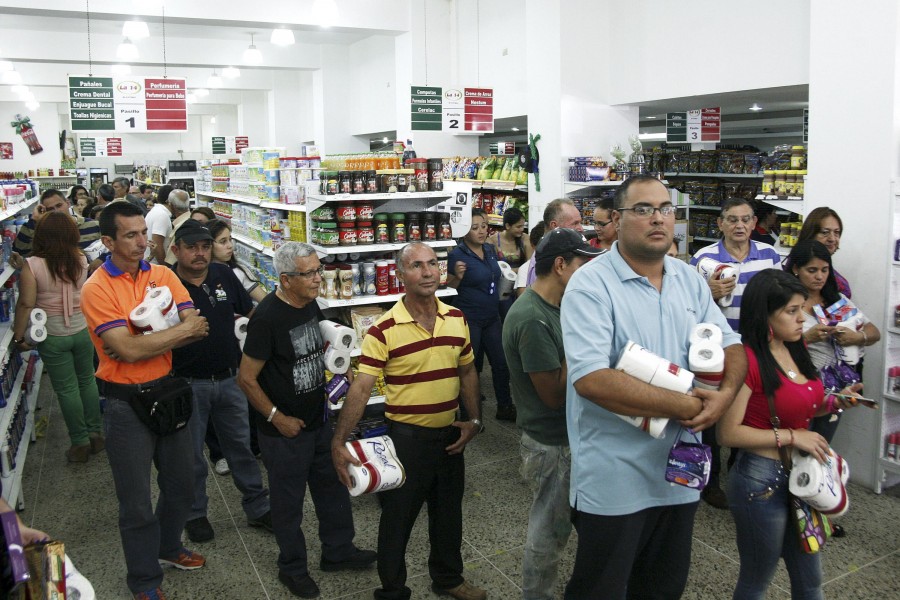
240	329
148	318
38	316
707	361
337	360
162	298
706	332
380	470
820	485
337	335
35	334
506	270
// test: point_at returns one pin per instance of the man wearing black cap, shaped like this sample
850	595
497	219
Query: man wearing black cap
533	343
210	365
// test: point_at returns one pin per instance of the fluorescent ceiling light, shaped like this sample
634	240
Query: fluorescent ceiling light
214	80
191	97
231	72
756	107
19	90
652	137
325	13
650	117
252	55
6	65
32	105
136	30
127	51
384	140
11	77
121	69
514	128
282	37
201	92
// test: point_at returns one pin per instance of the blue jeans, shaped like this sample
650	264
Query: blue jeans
546	469
487	338
146	534
225	405
758	499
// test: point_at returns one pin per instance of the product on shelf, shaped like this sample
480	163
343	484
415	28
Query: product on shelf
589	168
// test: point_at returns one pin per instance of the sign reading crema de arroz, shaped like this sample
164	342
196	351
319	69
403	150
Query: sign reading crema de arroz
127	103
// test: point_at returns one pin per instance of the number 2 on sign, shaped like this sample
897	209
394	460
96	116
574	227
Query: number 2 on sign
130	122
454	124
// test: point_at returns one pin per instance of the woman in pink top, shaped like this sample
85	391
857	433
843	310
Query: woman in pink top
51	280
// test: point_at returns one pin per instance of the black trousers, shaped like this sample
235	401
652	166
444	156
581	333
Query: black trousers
433	477
641	556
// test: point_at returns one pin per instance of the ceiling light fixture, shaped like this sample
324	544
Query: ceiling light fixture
191	98
201	92
214	80
755	108
514	128
650	117
384	140
282	37
127	51
122	69
252	55
325	13
12	77
231	72
32	105
135	30
5	65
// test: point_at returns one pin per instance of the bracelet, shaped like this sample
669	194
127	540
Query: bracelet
19	341
777	439
865	338
272	414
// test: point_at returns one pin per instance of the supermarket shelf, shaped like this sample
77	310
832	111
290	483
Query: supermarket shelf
889	465
6	273
6	336
716	175
396	195
372	248
698	238
11	402
233	197
793	204
372	400
500	186
704	207
893	397
12	485
282	206
363	300
896	263
583	184
894	330
246	241
18	208
44	177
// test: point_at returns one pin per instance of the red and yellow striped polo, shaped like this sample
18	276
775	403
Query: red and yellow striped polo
420	368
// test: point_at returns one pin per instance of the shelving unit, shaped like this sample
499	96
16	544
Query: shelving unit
367	300
887	472
12	484
14	210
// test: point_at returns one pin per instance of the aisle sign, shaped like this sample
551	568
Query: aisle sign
100	146
701	125
127	104
676	127
710	124
230	144
454	110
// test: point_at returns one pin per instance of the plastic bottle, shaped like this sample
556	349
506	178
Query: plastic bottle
408	152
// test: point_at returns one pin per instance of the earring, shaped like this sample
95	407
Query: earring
771	335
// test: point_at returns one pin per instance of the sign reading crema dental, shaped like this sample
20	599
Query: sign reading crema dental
127	104
456	110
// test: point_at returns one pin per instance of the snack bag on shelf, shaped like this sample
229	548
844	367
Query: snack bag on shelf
486	169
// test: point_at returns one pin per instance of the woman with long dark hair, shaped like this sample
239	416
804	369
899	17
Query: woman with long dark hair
824	225
223	252
51	280
512	246
779	367
810	262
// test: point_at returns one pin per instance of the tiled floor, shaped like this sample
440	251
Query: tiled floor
77	504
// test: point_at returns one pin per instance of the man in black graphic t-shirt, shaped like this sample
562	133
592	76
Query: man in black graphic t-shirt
283	375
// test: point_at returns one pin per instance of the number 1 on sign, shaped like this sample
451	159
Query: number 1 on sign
130	122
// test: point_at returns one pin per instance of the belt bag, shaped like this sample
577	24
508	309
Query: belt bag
165	408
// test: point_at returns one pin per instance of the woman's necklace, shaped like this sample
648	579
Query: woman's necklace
789	372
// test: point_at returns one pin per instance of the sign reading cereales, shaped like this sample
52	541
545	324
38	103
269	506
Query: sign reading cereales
131	104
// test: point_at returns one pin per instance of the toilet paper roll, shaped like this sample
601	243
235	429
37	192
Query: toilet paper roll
707	361
240	329
820	485
506	270
655	426
337	360
148	318
380	469
712	269
38	316
724	273
162	298
35	334
706	332
337	335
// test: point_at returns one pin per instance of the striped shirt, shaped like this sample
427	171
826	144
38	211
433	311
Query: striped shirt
89	229
420	368
761	256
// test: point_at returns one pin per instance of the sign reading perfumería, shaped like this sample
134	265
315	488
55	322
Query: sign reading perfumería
127	104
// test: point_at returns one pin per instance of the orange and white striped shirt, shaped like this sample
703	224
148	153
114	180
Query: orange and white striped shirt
420	368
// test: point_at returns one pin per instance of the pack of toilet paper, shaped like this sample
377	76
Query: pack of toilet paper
712	269
822	486
380	469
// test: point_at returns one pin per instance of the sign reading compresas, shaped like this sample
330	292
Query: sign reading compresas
127	104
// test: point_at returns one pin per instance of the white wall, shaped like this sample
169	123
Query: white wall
45	123
372	79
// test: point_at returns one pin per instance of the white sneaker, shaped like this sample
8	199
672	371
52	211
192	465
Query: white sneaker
222	467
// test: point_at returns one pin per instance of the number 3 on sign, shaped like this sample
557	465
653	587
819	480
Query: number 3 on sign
693	132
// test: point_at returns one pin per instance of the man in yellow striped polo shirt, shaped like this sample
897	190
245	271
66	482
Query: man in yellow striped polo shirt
422	346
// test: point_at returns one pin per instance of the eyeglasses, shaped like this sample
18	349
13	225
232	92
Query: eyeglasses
306	274
732	220
598	224
209	294
647	211
830	232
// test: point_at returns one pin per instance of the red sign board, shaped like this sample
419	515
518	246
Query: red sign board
114	146
241	142
166	101
479	109
711	124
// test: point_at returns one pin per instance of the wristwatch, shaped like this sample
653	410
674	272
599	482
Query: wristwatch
478	424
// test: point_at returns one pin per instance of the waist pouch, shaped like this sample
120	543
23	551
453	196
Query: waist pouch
165	408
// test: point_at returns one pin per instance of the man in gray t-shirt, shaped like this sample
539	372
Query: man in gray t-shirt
533	344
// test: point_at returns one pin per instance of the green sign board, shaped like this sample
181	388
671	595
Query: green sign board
88	146
676	127
91	103
426	107
218	144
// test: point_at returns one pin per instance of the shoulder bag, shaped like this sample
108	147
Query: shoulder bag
165	408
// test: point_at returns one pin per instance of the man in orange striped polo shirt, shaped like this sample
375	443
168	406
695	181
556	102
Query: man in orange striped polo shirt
422	346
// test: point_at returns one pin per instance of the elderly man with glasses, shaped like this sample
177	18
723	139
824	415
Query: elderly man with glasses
737	223
283	374
210	365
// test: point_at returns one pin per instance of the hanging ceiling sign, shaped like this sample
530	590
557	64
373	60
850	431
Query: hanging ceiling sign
454	110
700	125
127	104
229	144
100	146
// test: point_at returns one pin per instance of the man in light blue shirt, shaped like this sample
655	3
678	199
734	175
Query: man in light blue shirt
634	528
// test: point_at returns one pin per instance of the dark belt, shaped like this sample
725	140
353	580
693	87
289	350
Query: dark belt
220	376
126	390
420	433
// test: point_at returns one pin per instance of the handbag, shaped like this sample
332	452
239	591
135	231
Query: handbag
813	528
165	408
689	463
838	375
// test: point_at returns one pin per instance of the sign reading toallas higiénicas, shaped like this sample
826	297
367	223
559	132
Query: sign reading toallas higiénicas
127	104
